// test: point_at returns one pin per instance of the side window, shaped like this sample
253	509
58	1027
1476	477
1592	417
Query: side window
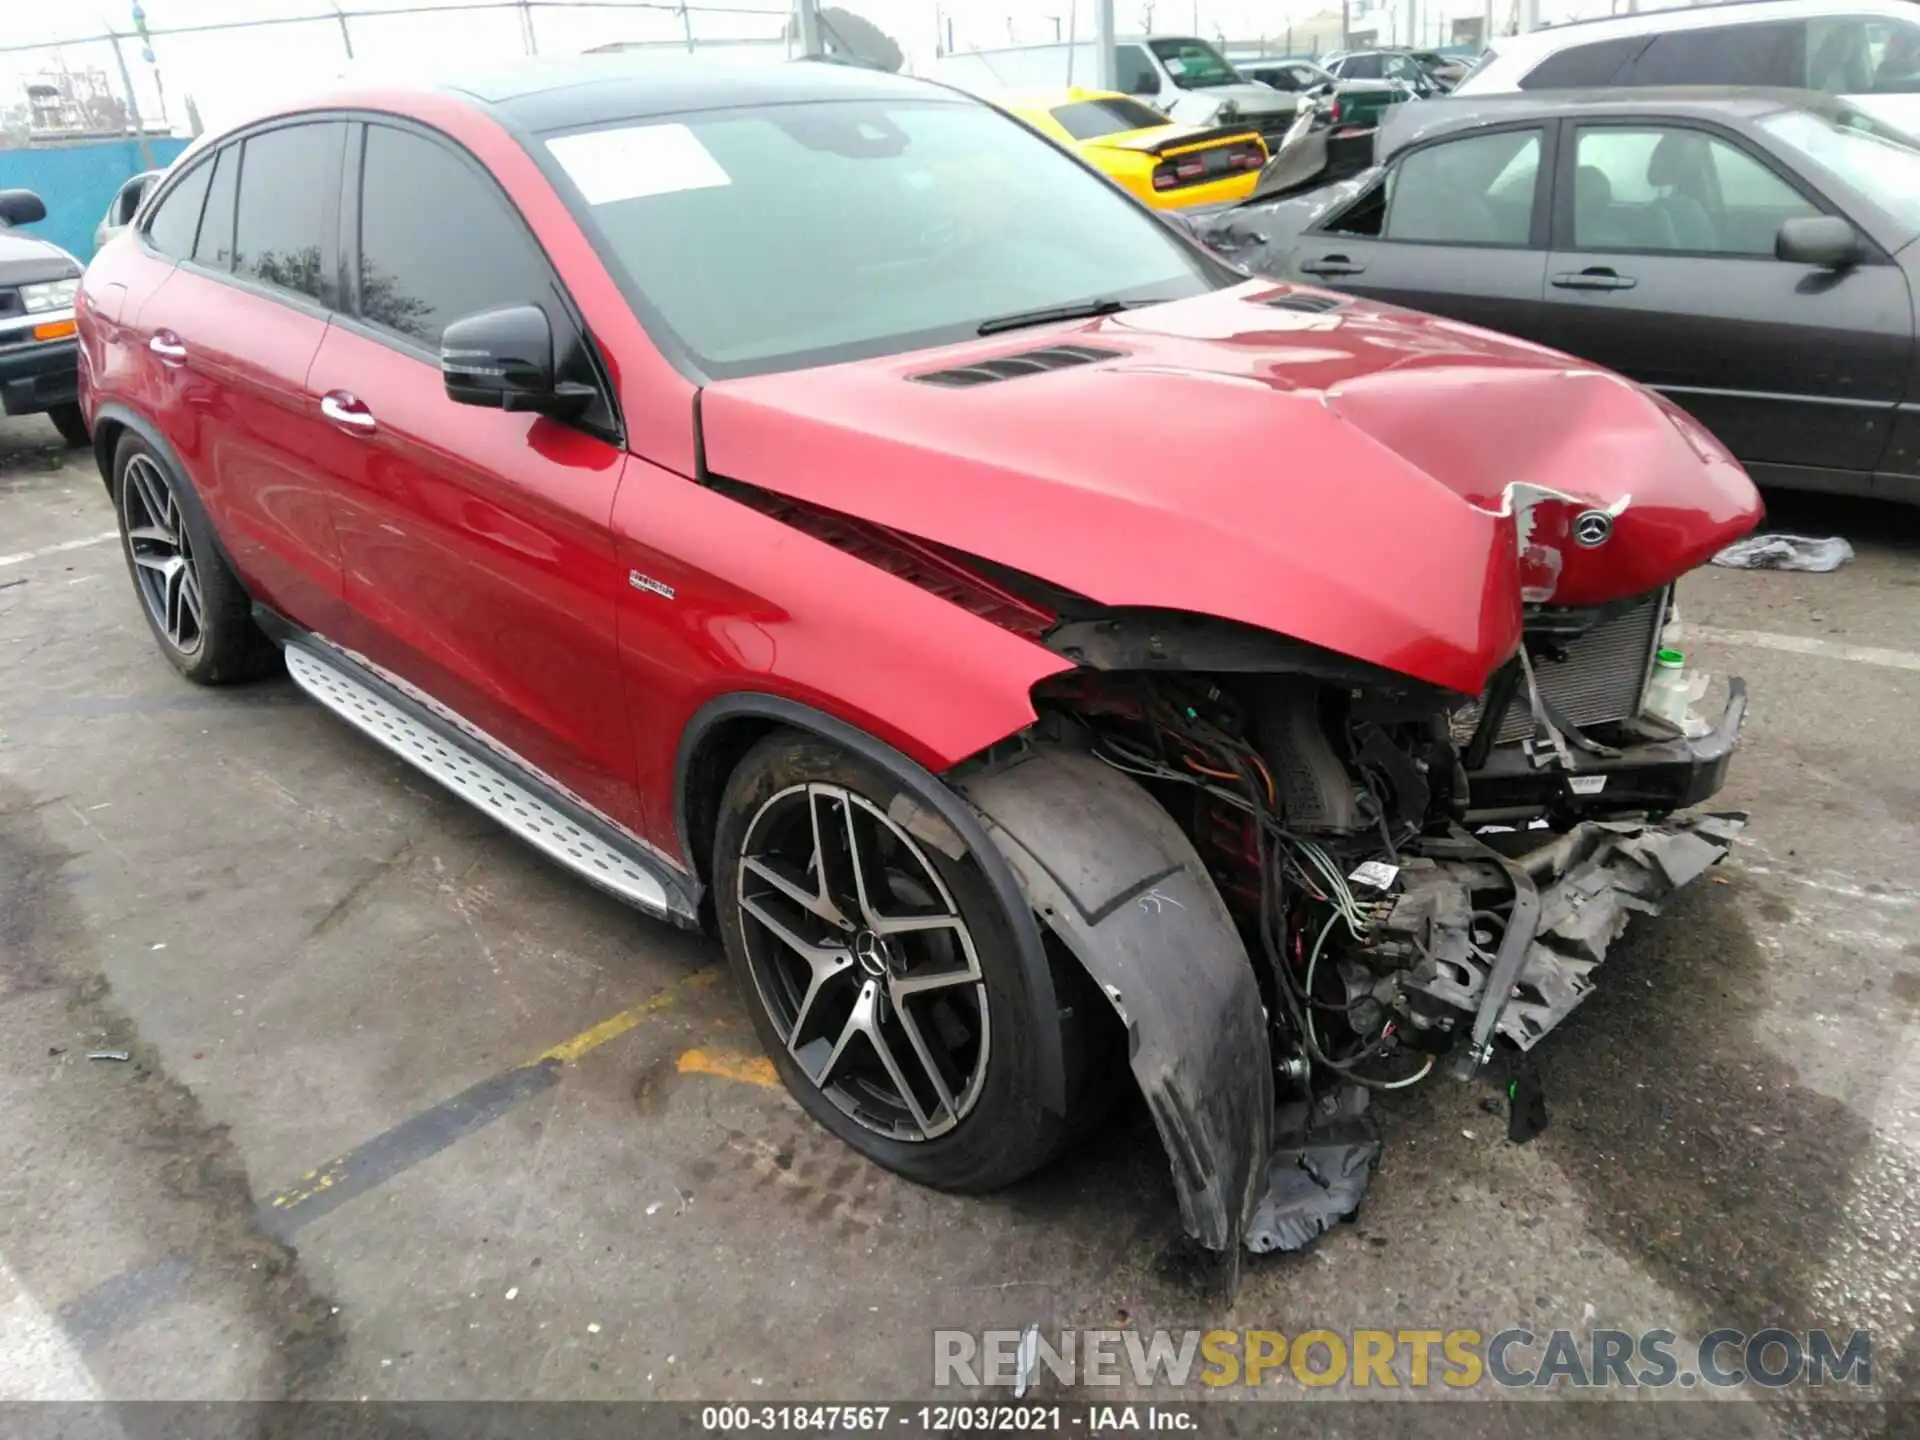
406	284
1854	55
214	246
1477	191
1133	71
289	182
1659	188
1360	67
1584	66
177	218
1762	54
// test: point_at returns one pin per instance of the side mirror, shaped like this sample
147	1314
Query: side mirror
21	207
503	359
1824	240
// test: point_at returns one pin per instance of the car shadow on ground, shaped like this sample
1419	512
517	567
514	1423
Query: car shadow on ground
1866	524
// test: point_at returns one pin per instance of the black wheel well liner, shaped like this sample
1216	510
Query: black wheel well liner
726	727
111	422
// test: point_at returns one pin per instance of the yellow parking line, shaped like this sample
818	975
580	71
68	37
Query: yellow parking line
614	1026
729	1065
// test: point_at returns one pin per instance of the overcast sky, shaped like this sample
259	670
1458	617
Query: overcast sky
235	73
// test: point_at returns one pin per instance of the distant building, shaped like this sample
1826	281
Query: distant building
64	106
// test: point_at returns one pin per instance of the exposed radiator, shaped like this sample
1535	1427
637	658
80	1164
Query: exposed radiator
1600	680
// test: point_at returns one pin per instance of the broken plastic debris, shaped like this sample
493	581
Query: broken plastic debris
1324	1155
1785	552
593	1327
654	1208
513	1292
109	1055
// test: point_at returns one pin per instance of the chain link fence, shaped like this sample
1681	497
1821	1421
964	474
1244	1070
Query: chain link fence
194	64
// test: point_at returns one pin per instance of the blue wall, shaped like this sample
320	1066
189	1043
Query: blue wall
77	181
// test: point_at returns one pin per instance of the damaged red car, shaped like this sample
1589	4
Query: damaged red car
808	504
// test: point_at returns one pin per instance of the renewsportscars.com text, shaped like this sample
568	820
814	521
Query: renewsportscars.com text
1415	1359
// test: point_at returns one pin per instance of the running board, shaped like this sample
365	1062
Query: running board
591	850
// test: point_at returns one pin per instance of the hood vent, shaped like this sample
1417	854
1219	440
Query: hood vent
1311	304
1012	367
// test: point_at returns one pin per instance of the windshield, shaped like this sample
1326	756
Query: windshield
1194	64
1090	119
802	234
1878	161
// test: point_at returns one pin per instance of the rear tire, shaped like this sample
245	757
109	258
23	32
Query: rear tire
195	605
71	423
946	992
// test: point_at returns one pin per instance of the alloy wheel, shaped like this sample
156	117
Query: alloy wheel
163	564
863	961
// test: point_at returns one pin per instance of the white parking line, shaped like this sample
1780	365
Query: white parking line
37	1362
1808	645
64	545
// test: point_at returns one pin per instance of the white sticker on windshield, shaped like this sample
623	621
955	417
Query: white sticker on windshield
1175	66
636	160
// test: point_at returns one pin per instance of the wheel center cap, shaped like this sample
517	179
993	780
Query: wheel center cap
871	953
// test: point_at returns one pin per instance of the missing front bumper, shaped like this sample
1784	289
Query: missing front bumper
1574	895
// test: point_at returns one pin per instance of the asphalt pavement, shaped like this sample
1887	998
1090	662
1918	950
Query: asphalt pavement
408	1113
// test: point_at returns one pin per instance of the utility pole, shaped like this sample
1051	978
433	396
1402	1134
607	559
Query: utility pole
1413	22
809	16
1104	70
133	107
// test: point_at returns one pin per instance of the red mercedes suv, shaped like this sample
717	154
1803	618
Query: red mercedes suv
806	503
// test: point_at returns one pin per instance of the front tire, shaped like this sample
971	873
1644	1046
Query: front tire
882	974
71	422
193	602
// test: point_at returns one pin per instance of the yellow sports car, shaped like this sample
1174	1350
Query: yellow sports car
1167	165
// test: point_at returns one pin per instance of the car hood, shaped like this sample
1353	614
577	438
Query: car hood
1219	104
25	259
1384	484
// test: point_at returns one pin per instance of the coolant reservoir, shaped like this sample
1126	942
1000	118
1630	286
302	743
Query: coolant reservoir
1672	691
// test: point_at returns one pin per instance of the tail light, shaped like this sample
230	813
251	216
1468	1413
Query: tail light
1191	169
1333	111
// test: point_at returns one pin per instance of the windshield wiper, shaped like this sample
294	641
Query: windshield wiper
1046	314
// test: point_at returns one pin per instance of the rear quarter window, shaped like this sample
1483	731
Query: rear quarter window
1771	53
1090	119
1581	67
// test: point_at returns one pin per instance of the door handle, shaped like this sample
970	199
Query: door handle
347	411
167	346
1331	265
1594	277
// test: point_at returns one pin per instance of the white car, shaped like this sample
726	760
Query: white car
1865	50
124	206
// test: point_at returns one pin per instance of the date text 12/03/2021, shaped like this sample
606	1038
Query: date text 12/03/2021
947	1419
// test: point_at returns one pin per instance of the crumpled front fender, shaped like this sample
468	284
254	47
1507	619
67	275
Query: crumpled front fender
1113	876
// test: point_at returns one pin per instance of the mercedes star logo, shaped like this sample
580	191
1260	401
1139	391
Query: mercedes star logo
1592	527
870	950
